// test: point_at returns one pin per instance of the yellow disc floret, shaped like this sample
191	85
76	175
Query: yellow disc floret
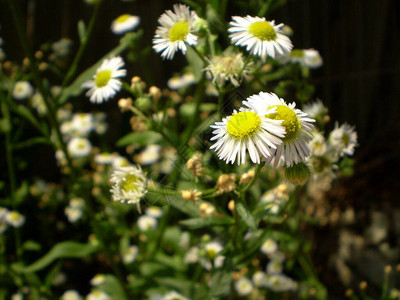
243	125
179	31
290	121
102	78
263	30
123	18
130	183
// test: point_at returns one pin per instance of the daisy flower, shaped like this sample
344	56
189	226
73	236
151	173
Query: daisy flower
260	37
129	185
307	57
298	127
343	139
79	147
243	286
15	219
124	23
146	223
106	83
246	130
22	90
176	29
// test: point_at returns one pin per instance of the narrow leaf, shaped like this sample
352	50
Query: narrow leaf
246	216
68	249
207	221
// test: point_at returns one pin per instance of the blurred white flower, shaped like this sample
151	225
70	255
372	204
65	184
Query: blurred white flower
97	280
124	23
79	147
181	82
146	223
269	246
71	295
343	139
243	286
22	90
174	296
97	295
130	254
106	82
15	219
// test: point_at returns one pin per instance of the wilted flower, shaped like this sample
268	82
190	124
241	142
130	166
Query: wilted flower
129	185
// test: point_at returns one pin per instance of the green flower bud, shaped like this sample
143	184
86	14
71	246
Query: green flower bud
297	174
143	103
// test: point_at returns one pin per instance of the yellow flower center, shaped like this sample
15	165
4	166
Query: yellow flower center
179	31
211	253
102	78
123	18
290	121
130	183
263	30
345	139
243	125
81	145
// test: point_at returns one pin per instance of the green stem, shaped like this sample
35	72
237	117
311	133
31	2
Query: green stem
9	154
198	97
257	172
39	83
82	47
199	55
221	95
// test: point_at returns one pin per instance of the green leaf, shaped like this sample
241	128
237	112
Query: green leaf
75	89
245	214
149	268
182	285
81	30
214	19
21	193
67	249
174	199
220	283
113	287
27	114
31	246
140	138
195	62
208	222
173	262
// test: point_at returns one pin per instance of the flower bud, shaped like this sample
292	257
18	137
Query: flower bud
298	174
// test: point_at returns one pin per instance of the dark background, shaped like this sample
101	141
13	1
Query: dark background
359	41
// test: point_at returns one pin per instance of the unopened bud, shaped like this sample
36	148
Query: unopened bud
206	209
143	103
125	104
298	174
155	92
190	195
247	177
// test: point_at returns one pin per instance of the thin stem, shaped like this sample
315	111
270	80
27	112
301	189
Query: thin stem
82	47
199	55
9	154
198	97
257	172
221	95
